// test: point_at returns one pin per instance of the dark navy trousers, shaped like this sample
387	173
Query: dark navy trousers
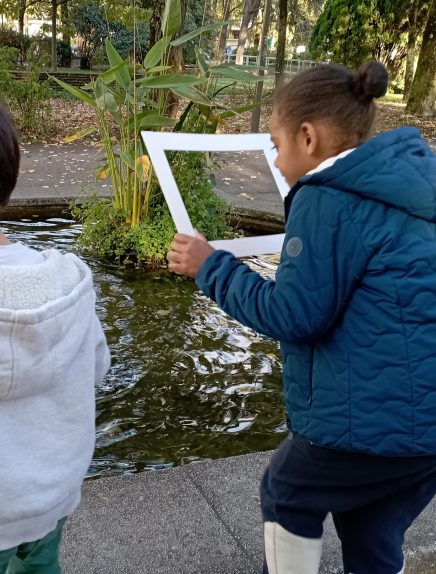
373	499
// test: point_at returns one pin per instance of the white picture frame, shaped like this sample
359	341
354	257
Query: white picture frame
159	142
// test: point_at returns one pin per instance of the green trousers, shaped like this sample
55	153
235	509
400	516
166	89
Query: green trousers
39	557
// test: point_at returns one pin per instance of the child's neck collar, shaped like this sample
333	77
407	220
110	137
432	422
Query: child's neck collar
328	162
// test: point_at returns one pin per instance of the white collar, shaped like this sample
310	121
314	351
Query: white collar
330	161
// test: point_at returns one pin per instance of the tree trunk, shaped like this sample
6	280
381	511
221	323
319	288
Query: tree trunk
255	114
422	92
251	8
281	41
21	12
411	53
155	22
54	51
65	14
224	31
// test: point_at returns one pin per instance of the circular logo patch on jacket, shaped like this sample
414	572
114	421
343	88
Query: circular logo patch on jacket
294	247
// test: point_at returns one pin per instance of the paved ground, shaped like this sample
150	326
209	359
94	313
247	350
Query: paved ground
59	173
201	518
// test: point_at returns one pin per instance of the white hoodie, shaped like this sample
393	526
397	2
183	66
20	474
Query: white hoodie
52	352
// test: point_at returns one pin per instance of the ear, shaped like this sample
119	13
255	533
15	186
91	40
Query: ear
309	138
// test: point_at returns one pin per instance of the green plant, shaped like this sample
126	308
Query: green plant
27	97
9	38
133	97
92	28
128	43
63	53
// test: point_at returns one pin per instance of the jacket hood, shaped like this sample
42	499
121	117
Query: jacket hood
36	304
397	168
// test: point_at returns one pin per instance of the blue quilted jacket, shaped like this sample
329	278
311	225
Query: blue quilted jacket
354	299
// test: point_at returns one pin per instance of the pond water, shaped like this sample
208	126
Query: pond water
187	383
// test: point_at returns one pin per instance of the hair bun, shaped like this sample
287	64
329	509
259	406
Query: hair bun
371	80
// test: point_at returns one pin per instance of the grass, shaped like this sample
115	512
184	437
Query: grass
392	98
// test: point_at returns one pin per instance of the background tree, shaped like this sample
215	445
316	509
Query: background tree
90	24
222	39
295	22
18	10
351	31
423	90
417	15
251	8
155	21
281	40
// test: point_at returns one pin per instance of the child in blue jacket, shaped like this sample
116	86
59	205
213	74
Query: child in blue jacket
353	305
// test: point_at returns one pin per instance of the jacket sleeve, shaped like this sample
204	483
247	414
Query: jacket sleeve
322	260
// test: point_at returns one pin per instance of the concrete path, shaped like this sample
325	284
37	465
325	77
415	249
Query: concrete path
202	518
58	174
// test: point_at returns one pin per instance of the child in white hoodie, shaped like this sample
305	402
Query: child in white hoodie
52	352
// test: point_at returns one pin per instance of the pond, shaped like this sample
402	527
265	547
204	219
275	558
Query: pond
187	382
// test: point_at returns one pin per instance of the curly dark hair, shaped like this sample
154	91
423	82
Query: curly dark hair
335	94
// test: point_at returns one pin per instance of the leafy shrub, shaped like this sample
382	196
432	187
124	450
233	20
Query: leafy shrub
107	234
27	98
11	39
122	40
63	53
90	24
126	99
8	58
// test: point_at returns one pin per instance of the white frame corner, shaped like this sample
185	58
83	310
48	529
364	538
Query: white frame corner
159	142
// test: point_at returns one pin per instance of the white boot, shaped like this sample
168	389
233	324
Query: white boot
287	553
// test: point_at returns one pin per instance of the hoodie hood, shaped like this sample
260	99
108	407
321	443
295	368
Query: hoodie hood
38	304
397	168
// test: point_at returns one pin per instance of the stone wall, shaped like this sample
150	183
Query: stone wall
76	79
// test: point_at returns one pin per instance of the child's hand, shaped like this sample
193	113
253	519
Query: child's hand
188	254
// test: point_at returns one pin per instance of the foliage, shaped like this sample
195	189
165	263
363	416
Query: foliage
64	54
422	97
197	15
133	97
124	40
303	15
351	31
8	58
26	97
106	233
90	25
11	39
94	26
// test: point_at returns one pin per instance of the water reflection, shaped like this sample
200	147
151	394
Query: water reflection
187	382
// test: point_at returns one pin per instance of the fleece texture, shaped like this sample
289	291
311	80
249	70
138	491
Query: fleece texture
53	351
354	299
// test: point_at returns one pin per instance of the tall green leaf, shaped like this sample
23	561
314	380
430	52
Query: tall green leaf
191	35
169	81
201	62
171	18
234	74
116	61
237	111
156	122
156	53
76	92
192	94
128	157
112	74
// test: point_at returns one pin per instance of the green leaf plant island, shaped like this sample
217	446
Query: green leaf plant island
135	227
